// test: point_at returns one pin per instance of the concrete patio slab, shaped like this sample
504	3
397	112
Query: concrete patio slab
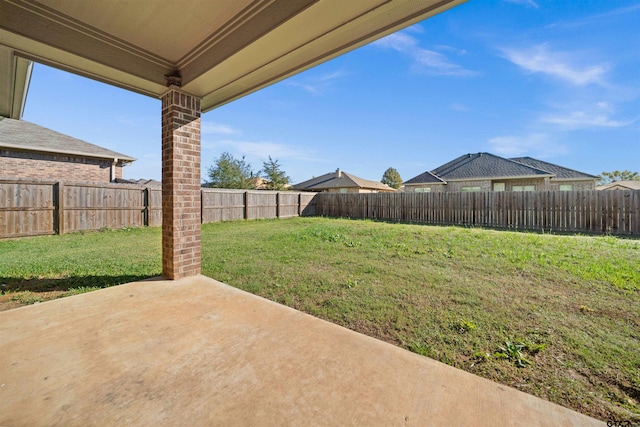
196	352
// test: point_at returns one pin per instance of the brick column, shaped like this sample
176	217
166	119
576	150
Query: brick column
180	184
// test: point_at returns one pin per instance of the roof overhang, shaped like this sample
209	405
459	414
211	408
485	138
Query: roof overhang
219	50
422	184
595	178
117	158
15	74
501	178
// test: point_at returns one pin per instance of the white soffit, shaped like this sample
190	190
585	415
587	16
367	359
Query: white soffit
221	49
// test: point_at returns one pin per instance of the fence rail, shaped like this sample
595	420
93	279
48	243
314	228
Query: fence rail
32	208
600	212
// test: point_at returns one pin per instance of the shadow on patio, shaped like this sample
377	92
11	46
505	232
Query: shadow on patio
198	352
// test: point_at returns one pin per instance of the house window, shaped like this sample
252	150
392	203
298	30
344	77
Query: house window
499	186
423	190
566	187
523	188
465	189
343	190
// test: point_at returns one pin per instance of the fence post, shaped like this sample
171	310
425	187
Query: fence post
299	204
246	205
201	206
278	205
145	212
58	218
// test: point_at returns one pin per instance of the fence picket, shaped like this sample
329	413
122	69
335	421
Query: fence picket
615	212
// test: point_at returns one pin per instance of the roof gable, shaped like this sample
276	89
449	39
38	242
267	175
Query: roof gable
425	178
621	185
558	171
340	179
22	135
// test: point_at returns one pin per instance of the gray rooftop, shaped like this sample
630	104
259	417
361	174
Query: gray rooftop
485	165
490	166
559	172
340	179
426	178
23	135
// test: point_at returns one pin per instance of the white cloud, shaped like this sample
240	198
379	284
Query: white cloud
459	52
598	114
317	85
425	60
456	106
599	18
415	28
581	120
534	144
528	3
213	128
307	87
539	59
332	76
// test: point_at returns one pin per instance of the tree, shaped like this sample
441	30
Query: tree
229	172
276	178
391	177
615	176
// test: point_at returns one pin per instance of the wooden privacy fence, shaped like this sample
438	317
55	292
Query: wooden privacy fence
605	212
31	208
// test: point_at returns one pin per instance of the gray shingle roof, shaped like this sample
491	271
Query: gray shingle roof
425	178
23	135
479	166
485	165
559	172
339	179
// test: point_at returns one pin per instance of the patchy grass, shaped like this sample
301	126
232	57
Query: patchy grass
554	316
38	269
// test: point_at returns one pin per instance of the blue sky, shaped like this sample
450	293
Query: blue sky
554	80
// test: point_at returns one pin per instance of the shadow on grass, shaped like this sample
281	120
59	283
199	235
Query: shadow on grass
64	284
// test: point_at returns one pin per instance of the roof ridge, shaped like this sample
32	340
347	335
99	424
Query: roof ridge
555	165
453	164
528	166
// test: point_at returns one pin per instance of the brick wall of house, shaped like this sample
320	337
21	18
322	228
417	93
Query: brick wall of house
539	183
577	185
485	185
351	190
23	164
435	188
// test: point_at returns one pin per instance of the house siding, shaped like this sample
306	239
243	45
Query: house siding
350	190
23	164
554	185
435	188
540	184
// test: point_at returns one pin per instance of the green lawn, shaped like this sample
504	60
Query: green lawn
554	316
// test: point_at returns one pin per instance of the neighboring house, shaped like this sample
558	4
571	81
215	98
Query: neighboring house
151	183
488	172
342	182
620	185
31	151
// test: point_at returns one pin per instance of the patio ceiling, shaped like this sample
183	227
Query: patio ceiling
221	49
